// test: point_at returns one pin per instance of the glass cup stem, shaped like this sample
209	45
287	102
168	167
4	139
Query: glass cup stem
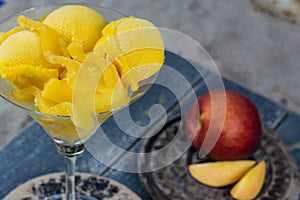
70	152
70	162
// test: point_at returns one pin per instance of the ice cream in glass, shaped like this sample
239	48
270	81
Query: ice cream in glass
72	66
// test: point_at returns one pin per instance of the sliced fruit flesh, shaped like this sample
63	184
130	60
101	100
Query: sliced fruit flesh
221	173
251	183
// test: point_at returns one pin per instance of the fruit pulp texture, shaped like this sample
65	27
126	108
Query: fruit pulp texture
251	183
220	173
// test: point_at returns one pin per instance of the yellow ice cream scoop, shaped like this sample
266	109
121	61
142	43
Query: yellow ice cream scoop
23	47
52	43
4	36
79	24
136	48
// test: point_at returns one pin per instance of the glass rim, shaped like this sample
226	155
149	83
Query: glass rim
45	6
57	4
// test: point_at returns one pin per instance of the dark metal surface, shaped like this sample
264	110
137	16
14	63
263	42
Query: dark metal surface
174	181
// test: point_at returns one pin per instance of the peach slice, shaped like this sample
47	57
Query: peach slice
221	173
251	183
57	90
23	76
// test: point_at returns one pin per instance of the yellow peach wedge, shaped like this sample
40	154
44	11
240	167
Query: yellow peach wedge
26	94
251	183
220	173
57	90
23	76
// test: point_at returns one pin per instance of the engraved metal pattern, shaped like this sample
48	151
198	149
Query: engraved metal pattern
88	187
174	182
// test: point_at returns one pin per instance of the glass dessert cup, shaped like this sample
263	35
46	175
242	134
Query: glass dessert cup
62	130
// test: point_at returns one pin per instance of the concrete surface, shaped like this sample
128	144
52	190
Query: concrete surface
253	49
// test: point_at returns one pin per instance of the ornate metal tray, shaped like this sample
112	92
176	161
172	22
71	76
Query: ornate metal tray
51	186
174	181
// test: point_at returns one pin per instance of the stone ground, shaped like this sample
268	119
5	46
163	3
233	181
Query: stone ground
253	49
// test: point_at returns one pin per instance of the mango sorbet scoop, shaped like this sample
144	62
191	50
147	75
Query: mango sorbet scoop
42	58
